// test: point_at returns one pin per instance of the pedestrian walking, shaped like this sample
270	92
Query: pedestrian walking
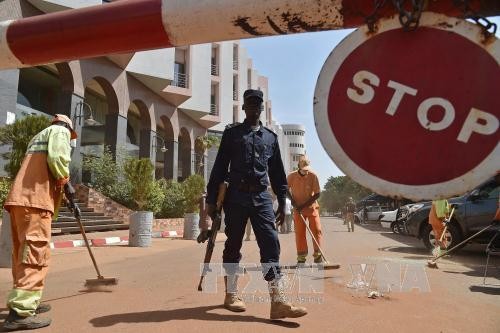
249	157
33	200
350	209
305	191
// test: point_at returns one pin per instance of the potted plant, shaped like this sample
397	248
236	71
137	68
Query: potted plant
139	174
192	189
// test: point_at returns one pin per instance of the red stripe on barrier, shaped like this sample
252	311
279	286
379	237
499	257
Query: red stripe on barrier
118	27
60	245
98	242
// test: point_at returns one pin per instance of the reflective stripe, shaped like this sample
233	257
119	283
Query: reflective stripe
24	302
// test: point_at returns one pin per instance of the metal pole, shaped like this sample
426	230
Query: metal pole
133	25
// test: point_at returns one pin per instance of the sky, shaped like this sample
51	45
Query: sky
292	63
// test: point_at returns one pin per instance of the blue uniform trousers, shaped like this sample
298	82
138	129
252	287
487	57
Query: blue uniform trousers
263	224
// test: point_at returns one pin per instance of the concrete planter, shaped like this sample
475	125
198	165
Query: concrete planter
140	229
191	225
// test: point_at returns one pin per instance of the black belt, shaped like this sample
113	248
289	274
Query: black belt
250	188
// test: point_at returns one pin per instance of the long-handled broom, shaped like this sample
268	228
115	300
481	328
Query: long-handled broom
437	247
324	265
100	281
432	263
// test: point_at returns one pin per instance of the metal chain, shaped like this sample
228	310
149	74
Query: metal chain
372	19
485	24
409	19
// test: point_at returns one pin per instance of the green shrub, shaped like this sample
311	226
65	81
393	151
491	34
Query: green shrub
19	135
156	197
4	191
173	202
192	189
139	172
104	171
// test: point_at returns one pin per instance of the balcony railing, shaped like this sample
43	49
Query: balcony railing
215	70
235	95
235	64
214	110
180	80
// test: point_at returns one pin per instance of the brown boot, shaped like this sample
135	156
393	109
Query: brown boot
232	302
280	307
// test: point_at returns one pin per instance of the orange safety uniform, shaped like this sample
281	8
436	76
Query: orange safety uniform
302	188
439	211
32	201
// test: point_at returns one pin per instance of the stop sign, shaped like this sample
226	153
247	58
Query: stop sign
413	114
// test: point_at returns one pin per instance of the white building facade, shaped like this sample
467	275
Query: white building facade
296	144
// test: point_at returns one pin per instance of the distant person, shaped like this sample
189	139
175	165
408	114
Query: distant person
365	214
350	209
304	189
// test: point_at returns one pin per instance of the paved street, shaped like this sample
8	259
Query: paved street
157	290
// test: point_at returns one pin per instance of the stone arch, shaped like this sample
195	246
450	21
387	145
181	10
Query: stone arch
138	139
99	118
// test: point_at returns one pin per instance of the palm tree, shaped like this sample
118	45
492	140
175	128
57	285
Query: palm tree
203	143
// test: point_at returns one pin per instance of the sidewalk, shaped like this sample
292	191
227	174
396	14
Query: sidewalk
102	238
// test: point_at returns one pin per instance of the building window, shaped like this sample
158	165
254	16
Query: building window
180	73
235	57
215	62
235	87
249	79
214	97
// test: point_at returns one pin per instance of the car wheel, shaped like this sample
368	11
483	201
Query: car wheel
394	227
453	236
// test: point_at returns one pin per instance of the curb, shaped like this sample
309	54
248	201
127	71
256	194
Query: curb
93	242
166	234
110	240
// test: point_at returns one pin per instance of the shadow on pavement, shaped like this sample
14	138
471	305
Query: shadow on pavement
197	313
495	290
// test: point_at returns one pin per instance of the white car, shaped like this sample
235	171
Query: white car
373	213
388	219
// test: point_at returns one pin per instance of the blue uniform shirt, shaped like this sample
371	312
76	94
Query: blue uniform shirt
248	158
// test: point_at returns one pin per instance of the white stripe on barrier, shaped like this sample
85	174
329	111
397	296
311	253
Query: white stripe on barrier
112	240
8	59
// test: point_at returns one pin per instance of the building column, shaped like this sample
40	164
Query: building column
192	170
147	143
171	160
77	117
116	135
205	166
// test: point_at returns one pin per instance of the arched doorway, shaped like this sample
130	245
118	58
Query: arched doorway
168	157
138	130
99	102
185	155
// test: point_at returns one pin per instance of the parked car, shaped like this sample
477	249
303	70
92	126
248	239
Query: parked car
373	213
396	219
474	211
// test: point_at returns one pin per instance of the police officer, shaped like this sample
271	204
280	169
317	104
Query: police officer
249	156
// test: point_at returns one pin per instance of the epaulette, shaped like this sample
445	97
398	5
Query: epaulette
270	130
232	125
